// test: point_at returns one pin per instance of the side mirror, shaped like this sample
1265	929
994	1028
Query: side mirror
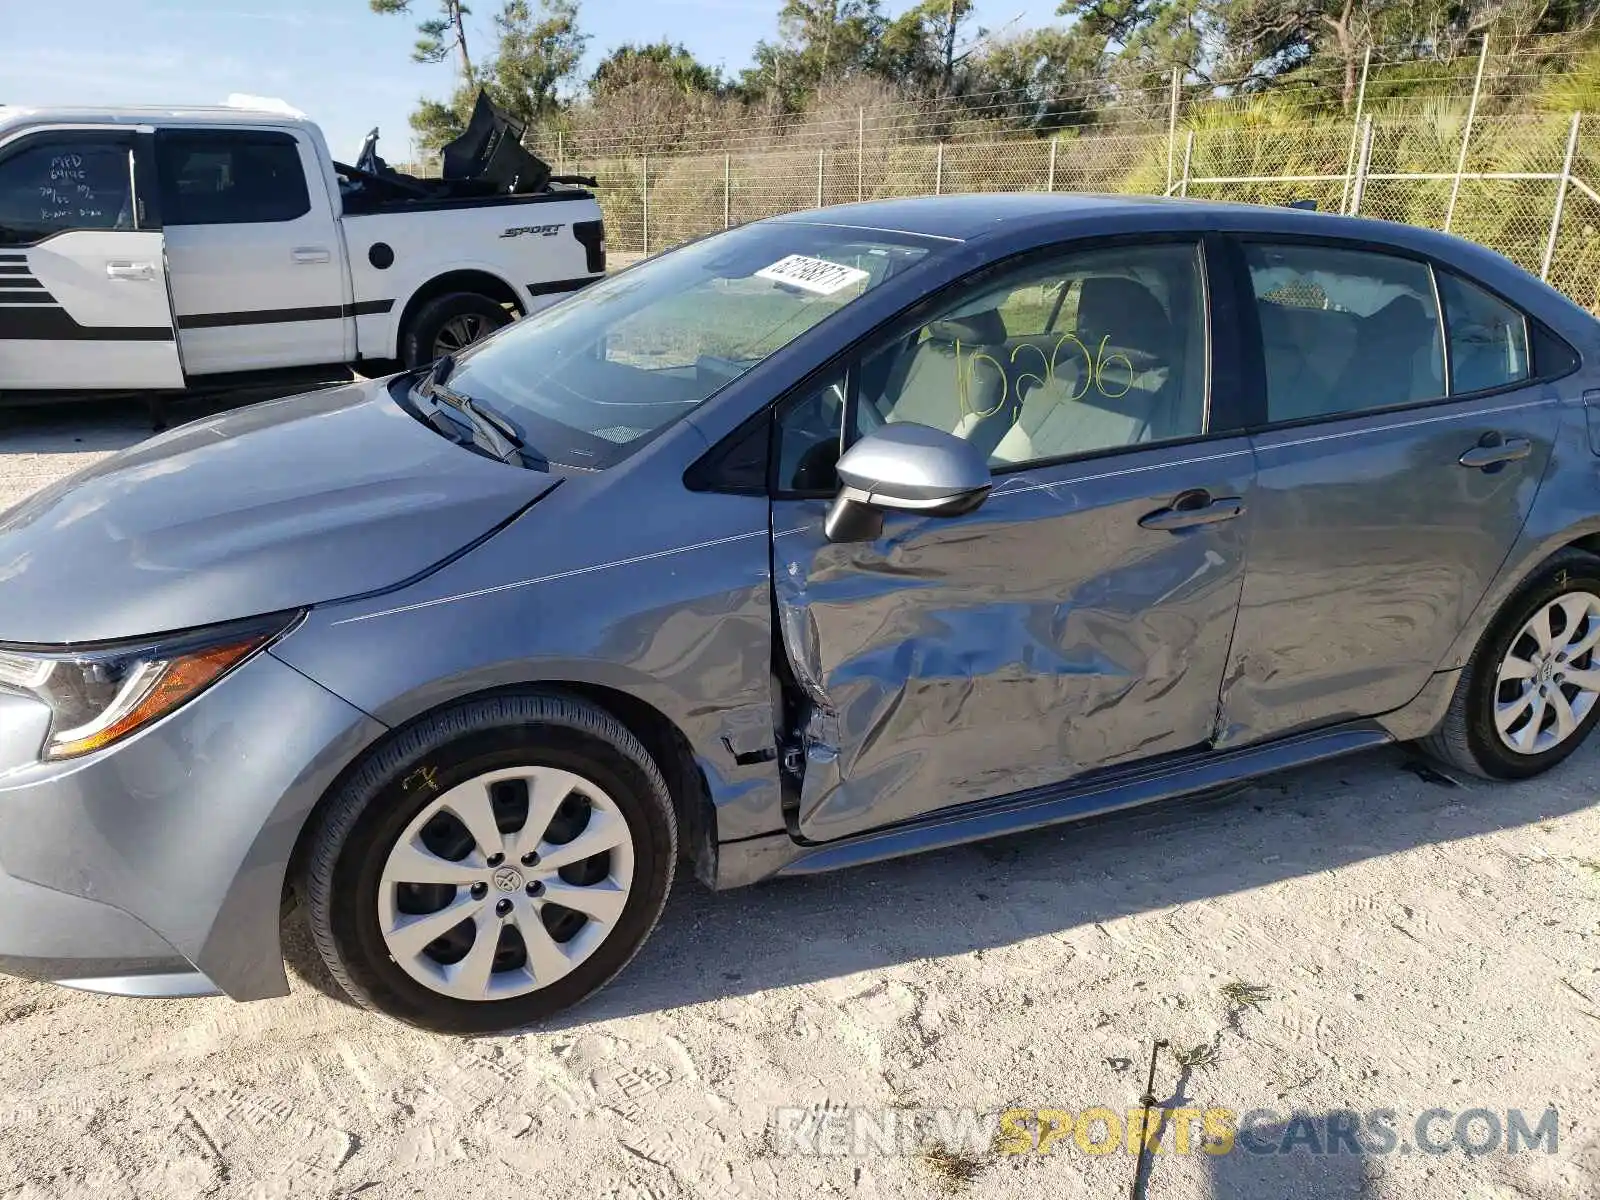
905	468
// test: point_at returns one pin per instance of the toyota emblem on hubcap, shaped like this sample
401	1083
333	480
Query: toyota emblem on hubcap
508	879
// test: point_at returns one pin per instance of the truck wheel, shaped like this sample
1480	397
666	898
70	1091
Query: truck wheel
448	324
495	863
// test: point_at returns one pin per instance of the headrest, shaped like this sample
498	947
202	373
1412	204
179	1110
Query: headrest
1402	310
970	329
1123	309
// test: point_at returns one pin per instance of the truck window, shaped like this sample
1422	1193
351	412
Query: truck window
230	177
54	186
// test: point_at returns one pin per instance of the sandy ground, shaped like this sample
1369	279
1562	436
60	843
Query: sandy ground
1417	945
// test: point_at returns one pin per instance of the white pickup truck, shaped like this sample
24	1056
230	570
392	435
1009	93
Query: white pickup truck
151	251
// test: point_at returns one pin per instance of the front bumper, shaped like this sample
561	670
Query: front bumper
51	936
156	867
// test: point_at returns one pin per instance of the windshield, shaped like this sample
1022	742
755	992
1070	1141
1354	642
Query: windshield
589	381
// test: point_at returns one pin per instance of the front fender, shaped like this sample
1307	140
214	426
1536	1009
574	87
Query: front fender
667	602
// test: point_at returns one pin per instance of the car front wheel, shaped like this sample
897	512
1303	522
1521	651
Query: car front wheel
1531	693
493	865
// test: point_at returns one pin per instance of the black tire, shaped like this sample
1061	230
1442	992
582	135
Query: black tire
351	837
1467	738
418	340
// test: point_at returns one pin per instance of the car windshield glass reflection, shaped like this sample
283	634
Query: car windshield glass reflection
589	381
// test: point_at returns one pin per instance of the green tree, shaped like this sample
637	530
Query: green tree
436	123
1138	43
438	36
1031	79
765	81
537	51
825	40
654	64
920	44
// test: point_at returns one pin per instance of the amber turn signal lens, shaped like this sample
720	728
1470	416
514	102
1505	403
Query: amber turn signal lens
163	687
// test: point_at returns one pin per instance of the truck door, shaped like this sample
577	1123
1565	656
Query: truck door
83	283
258	278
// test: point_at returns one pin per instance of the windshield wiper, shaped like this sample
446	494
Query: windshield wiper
489	429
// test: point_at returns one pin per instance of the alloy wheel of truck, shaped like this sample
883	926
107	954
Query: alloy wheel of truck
1529	696
449	324
492	865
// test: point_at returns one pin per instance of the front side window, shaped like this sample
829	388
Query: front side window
230	178
588	380
50	187
1344	331
1488	338
1077	353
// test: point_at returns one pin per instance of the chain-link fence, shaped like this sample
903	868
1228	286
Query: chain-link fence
1478	145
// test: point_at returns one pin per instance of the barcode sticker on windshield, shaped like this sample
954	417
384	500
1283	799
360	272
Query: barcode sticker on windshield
813	274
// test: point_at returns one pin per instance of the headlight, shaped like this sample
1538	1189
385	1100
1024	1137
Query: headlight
99	695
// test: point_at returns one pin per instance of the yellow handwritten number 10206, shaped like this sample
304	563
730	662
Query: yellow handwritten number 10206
1094	375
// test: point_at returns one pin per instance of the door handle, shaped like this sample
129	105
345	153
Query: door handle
311	254
130	270
1493	449
1191	509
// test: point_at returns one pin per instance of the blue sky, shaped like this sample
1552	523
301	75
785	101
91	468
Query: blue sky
334	59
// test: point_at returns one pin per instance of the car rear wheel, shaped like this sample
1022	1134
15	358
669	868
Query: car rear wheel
1531	693
449	324
495	864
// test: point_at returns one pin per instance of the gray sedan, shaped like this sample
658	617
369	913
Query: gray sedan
832	538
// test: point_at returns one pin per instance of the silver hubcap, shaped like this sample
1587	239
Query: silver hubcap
476	913
458	333
1548	680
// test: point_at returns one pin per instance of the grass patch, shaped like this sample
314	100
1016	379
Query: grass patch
951	1169
1245	995
1197	1057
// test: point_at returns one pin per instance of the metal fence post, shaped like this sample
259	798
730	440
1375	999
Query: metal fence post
1358	189
727	190
819	177
861	153
1188	156
1172	124
645	188
1561	199
938	171
1355	130
1466	135
1050	179
560	157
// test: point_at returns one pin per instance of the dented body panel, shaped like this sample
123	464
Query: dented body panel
1371	547
1046	635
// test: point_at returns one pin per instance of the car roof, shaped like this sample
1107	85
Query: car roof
970	215
979	216
16	117
1011	221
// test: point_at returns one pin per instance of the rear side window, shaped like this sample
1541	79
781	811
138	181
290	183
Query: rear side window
1488	338
232	178
52	186
1344	331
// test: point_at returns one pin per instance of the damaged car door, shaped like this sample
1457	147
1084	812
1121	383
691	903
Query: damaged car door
1080	617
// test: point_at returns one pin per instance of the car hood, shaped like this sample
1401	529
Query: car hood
283	504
